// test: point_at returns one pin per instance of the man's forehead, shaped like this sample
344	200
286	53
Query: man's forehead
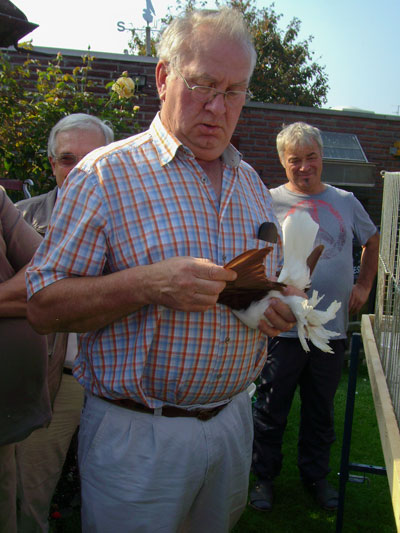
302	149
203	74
205	59
67	140
74	132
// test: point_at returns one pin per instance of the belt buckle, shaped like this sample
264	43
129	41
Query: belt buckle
206	414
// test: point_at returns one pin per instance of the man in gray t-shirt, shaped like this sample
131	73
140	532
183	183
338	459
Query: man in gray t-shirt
341	218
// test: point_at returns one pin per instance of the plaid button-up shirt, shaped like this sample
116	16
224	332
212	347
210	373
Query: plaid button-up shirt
136	202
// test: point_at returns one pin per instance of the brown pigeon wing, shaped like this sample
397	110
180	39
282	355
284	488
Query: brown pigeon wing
251	283
249	267
314	256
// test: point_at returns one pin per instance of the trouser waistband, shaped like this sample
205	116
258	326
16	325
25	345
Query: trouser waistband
170	411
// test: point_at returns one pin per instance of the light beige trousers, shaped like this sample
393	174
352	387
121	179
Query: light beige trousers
40	458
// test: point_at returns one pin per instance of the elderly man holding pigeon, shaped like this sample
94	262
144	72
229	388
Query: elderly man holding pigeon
134	261
317	371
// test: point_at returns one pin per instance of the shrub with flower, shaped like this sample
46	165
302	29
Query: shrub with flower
124	86
33	97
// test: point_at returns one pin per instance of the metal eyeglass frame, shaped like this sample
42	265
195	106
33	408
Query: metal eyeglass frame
210	92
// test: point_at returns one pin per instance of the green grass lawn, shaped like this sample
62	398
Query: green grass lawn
368	506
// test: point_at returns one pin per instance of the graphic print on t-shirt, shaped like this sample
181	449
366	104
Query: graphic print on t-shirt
333	233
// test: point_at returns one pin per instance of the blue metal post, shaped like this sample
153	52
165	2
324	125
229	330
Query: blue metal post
348	424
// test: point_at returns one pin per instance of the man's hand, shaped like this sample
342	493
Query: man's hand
279	316
187	283
359	295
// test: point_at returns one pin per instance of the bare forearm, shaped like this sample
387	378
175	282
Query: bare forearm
368	267
87	303
13	296
369	263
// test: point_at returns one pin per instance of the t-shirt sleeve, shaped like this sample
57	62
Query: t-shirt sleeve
364	228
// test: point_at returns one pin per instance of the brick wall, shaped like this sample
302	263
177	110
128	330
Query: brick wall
259	123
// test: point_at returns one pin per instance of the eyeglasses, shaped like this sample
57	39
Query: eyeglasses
68	160
205	94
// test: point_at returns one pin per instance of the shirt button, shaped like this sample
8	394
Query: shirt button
218	376
203	179
227	340
224	258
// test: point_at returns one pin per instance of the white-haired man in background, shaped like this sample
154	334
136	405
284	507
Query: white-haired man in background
40	457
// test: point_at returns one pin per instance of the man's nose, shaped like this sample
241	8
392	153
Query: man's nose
217	104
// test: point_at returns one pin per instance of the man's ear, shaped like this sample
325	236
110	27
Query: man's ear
161	79
53	165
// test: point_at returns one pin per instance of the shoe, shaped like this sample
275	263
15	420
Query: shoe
261	496
324	494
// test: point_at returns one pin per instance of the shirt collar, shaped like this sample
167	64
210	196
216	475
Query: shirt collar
167	146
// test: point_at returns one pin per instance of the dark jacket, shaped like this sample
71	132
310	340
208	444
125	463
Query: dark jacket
24	394
37	212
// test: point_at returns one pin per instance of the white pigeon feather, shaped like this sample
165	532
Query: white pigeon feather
299	232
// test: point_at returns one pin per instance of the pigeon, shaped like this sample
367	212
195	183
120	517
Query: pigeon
249	294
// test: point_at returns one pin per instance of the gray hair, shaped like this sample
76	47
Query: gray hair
177	37
298	134
78	121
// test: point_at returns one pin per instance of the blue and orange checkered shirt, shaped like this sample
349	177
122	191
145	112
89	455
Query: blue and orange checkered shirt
142	200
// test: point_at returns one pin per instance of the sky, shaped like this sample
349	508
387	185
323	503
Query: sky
356	40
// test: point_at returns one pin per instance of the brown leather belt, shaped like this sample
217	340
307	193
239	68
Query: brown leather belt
168	410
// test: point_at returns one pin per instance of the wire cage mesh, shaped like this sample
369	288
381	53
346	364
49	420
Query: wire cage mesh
387	303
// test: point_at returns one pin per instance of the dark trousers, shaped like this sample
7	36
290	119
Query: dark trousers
318	375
